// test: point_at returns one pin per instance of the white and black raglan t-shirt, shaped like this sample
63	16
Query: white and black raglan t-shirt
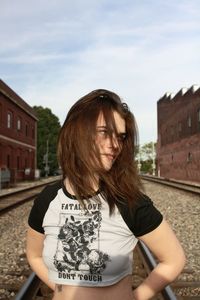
89	247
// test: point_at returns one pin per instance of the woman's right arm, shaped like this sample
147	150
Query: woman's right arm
34	247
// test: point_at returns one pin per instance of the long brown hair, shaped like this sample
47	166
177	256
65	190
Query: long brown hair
77	150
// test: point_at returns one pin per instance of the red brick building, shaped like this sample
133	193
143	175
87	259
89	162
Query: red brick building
178	147
18	130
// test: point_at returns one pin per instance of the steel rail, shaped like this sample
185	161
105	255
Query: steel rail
17	190
9	205
188	187
29	289
31	286
150	264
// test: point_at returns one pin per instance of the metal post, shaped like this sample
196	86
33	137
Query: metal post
29	289
153	160
139	162
47	160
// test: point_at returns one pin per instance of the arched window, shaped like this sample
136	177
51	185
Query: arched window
189	157
19	124
18	162
0	114
198	115
9	120
179	127
26	129
198	118
189	121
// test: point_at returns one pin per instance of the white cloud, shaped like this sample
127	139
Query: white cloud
53	52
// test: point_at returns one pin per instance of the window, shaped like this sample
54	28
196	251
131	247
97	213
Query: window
198	115
26	163
189	121
0	114
19	124
179	127
9	120
26	129
198	118
189	157
8	161
18	163
32	163
33	132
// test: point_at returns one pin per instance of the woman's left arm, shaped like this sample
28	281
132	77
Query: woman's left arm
164	244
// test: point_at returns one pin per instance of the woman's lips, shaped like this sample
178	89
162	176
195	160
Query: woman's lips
110	156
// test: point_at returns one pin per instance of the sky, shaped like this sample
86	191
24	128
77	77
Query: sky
52	52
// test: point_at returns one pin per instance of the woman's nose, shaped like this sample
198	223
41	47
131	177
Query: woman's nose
113	141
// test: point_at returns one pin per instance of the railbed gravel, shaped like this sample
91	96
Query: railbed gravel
181	210
13	226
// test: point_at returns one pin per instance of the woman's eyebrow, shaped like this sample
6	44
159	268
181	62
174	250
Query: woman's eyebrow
102	126
105	127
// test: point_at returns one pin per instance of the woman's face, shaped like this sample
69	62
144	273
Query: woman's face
110	145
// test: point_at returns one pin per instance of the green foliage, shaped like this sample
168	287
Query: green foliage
146	157
47	130
146	167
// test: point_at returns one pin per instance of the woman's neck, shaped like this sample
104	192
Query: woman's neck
69	187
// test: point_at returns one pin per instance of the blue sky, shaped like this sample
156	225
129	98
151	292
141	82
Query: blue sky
54	51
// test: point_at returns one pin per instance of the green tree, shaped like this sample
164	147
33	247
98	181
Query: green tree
47	133
146	157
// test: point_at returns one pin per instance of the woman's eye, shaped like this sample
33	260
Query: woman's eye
103	132
121	137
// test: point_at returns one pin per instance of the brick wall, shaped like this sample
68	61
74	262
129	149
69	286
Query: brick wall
178	147
17	143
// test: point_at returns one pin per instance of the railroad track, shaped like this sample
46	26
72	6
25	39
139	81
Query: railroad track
184	186
186	286
33	285
173	291
17	197
13	263
145	261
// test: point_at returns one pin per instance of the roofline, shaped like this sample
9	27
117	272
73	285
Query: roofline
15	101
170	96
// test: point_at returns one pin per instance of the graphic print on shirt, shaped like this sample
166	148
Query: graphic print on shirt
76	253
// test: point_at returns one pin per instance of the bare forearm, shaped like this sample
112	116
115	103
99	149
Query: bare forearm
38	266
160	277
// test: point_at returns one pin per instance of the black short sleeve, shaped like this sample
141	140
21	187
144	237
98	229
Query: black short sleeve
37	213
40	206
143	217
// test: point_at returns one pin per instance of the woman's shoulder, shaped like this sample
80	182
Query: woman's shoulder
142	217
51	189
41	204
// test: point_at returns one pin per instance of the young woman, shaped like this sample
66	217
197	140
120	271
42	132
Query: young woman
83	229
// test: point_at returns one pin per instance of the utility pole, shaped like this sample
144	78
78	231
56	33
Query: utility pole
139	163
46	168
153	160
0	179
